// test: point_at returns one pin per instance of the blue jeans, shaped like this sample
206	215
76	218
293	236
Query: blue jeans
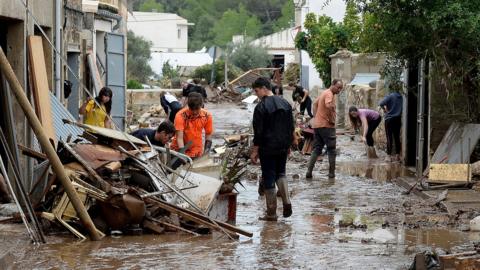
273	167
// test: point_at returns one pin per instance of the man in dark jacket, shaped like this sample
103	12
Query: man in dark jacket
393	105
273	136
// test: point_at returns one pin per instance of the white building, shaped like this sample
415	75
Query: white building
280	45
167	31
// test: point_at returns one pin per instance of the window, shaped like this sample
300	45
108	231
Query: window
179	33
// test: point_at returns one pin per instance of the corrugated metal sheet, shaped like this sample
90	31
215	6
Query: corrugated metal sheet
457	144
59	112
62	131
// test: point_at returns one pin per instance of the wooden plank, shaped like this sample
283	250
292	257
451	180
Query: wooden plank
96	79
41	96
172	226
32	153
450	173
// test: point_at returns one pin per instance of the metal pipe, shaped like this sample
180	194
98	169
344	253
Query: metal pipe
44	141
58	47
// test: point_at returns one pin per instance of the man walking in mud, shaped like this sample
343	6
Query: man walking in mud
324	128
273	136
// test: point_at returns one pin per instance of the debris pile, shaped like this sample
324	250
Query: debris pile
129	187
225	95
153	117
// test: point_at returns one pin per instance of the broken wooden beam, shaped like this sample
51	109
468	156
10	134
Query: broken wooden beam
32	153
198	218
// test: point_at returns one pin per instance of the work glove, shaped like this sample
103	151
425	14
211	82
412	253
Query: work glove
208	147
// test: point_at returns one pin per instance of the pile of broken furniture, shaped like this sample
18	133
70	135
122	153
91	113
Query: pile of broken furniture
128	187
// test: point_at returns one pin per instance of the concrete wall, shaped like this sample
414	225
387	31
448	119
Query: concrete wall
168	32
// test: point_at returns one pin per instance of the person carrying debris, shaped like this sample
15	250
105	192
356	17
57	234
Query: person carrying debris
324	128
96	115
369	121
170	105
392	106
159	137
273	127
301	95
190	122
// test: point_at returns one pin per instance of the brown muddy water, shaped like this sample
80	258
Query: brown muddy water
312	238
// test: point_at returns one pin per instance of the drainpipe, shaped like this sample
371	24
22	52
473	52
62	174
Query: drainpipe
58	47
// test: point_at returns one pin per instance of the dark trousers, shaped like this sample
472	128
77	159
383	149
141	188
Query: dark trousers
372	125
392	129
322	137
307	104
273	167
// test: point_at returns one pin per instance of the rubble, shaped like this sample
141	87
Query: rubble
132	189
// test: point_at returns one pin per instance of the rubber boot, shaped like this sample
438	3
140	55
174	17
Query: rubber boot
331	165
282	184
271	202
311	165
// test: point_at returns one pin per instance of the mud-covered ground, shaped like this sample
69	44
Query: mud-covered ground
384	228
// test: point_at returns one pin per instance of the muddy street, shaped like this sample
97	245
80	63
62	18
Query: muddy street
360	220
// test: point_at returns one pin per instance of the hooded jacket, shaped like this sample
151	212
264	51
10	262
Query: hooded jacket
273	126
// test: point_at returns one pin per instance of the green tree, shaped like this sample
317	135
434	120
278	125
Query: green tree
151	6
445	33
235	23
287	18
353	24
247	56
323	38
204	72
138	55
169	72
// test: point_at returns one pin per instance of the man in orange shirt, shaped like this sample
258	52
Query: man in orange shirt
190	122
324	127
